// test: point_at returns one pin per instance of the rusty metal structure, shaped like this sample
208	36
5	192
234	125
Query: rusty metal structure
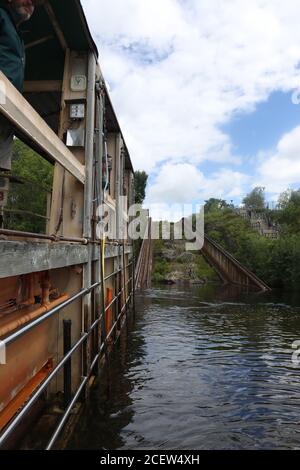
65	293
143	271
229	269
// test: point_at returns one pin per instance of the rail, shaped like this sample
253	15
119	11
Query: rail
230	269
144	265
85	335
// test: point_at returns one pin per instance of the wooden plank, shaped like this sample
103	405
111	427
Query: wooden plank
26	257
30	123
56	27
37	42
42	86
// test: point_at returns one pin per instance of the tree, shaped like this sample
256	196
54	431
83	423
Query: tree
255	200
288	215
284	199
140	183
213	204
27	201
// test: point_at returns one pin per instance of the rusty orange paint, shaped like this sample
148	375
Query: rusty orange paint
20	399
109	313
21	317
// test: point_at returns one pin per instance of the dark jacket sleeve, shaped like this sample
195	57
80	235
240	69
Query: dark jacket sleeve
1	20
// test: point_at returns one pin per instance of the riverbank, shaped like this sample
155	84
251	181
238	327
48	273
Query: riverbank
172	264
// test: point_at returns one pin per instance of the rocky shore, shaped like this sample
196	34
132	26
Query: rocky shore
174	265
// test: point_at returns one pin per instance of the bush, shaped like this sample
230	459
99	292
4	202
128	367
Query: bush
277	262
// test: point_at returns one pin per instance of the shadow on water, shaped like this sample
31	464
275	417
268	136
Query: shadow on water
205	367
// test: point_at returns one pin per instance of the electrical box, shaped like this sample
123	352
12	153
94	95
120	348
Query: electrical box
77	111
75	137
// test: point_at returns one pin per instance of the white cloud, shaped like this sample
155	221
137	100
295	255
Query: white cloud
179	69
281	169
185	183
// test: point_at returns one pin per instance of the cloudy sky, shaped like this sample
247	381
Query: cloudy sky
205	92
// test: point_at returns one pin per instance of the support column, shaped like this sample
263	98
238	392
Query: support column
88	201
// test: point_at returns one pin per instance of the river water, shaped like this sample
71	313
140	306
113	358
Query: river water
201	368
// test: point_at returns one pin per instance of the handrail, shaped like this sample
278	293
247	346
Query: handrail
18	418
84	381
144	255
242	268
56	309
47	315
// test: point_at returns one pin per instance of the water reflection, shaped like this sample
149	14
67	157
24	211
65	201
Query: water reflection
202	368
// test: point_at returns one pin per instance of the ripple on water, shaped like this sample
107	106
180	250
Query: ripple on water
200	371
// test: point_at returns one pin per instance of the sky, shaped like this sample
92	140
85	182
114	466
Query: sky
207	93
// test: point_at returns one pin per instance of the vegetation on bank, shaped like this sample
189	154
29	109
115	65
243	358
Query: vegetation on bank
172	263
277	262
27	199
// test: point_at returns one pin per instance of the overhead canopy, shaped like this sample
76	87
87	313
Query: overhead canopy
57	25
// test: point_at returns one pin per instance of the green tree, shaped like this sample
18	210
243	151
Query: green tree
28	197
255	200
213	203
140	183
288	216
284	199
277	262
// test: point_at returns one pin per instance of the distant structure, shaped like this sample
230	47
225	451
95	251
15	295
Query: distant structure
260	222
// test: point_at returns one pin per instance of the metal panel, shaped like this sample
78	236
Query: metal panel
27	257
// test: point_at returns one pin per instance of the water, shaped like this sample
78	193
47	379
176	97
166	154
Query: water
201	368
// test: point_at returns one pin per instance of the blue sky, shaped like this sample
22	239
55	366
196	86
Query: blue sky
263	128
203	92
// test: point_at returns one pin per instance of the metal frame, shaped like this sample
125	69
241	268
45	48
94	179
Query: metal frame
19	417
83	165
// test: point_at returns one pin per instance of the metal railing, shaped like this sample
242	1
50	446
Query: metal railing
85	335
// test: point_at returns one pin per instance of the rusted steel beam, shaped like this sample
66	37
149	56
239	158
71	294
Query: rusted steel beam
230	269
143	270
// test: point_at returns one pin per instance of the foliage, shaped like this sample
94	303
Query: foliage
204	271
213	203
288	215
140	183
277	262
183	263
161	269
36	175
255	200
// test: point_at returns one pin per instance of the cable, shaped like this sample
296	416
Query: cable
106	166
